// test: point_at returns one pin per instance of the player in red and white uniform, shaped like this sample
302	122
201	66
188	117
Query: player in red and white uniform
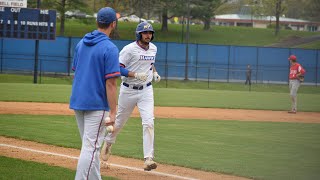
137	69
296	76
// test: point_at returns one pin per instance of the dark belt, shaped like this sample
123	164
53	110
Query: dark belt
137	87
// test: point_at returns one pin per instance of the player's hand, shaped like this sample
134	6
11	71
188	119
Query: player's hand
109	121
156	77
141	76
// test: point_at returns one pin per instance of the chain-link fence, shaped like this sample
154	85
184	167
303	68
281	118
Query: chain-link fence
205	63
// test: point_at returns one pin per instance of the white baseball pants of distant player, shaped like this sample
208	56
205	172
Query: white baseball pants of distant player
144	100
92	130
294	85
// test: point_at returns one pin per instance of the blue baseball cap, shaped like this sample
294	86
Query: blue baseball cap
106	15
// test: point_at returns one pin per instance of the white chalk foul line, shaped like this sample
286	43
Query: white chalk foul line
115	165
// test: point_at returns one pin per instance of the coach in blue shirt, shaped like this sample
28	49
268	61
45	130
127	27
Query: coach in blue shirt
94	90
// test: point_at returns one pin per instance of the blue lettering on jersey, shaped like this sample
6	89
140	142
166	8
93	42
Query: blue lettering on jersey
147	58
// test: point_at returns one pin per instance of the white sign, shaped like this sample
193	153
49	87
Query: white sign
14	3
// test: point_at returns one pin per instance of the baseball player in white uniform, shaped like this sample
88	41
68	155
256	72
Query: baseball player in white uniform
137	69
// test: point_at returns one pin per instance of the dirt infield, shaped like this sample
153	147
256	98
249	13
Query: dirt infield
172	112
125	168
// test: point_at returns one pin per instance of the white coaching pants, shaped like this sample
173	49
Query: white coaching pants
143	99
92	129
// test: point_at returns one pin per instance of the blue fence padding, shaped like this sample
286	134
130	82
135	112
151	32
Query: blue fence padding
74	42
242	56
273	63
17	46
161	53
121	43
175	70
18	65
54	55
54	48
307	58
202	72
176	53
54	66
273	57
214	62
318	66
18	54
1	44
208	55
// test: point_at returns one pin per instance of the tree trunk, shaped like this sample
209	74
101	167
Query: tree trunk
164	27
63	5
62	25
115	33
206	24
278	11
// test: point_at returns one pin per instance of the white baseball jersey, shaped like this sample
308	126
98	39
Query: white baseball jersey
137	59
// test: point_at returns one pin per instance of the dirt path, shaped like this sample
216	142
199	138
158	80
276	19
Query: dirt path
117	167
172	112
293	41
126	168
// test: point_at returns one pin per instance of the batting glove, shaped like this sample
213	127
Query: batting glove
156	77
141	76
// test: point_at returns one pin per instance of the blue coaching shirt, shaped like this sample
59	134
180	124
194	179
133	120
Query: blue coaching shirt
96	59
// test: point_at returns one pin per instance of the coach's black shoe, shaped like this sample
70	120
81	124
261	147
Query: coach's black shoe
149	164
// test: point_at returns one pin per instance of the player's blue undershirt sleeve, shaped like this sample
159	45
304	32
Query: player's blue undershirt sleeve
123	71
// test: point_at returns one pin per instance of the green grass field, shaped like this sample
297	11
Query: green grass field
11	168
312	45
219	35
176	84
206	98
261	150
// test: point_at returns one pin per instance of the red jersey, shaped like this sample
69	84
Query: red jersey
295	69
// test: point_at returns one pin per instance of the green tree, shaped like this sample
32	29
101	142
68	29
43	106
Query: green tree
204	10
278	11
274	8
312	10
32	3
228	8
167	6
63	6
119	6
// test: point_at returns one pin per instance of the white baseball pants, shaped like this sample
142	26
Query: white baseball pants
144	100
294	85
92	129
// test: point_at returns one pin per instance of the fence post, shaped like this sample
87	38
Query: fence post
209	77
40	73
36	61
317	64
166	65
69	56
36	54
228	63
1	60
256	67
197	62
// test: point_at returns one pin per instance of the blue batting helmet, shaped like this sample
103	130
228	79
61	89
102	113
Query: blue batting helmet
143	27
